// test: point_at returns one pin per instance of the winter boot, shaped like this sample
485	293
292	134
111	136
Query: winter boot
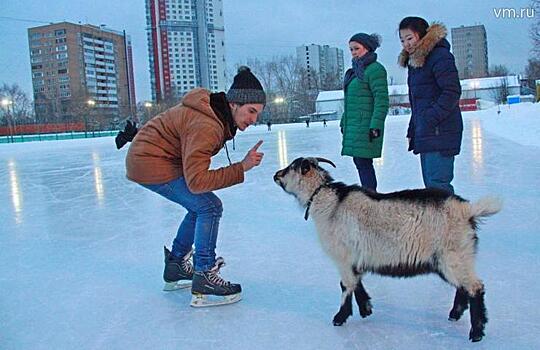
178	272
209	289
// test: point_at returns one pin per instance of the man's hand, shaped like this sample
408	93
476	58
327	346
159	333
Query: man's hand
253	158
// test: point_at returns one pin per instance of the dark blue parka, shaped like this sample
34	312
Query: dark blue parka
436	124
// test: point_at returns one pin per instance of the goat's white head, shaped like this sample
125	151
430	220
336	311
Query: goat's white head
303	176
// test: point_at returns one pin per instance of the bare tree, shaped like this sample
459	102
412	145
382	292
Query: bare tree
533	69
498	70
501	91
19	109
290	91
534	31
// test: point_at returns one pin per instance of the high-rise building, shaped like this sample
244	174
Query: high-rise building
186	45
80	69
469	45
320	62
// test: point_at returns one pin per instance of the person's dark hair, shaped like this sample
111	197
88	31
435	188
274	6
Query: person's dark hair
416	24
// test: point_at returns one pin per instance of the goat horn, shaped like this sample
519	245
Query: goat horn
324	160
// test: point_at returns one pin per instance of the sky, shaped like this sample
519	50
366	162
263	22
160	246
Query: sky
263	29
81	259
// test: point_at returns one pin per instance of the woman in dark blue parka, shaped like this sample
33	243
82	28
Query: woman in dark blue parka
436	126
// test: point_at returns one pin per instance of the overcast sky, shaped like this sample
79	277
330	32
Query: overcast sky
264	28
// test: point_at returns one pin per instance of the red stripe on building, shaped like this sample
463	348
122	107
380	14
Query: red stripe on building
165	51
157	72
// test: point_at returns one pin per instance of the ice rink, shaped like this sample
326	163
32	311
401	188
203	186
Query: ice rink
81	252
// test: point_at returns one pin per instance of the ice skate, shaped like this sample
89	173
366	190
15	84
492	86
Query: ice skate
178	272
209	289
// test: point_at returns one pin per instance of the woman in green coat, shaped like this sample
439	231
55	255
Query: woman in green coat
366	105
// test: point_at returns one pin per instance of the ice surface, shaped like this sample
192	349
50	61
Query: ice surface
81	251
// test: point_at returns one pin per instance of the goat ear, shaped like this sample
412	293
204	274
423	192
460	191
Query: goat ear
306	166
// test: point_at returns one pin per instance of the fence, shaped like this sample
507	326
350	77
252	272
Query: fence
46	132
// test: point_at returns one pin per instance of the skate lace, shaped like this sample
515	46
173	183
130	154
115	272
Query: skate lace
214	276
186	263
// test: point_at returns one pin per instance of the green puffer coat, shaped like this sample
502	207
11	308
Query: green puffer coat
366	106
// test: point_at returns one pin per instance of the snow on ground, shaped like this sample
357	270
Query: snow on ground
81	249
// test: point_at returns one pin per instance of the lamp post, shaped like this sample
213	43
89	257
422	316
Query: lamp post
6	103
148	105
278	101
91	103
475	84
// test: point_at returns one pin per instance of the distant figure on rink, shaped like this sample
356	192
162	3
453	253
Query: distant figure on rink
269	125
324	123
307	123
171	156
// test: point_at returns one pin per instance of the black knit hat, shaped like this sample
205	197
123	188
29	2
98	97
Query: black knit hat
246	88
370	41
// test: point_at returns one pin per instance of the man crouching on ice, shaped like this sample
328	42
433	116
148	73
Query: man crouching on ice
171	155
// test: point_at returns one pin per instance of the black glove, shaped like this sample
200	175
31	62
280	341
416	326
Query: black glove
130	130
373	134
127	135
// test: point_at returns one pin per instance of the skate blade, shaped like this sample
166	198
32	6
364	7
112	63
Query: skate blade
202	300
170	286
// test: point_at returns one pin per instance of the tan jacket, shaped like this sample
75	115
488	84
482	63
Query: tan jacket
180	142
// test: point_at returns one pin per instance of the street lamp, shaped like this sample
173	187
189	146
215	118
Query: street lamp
148	106
475	84
91	103
6	103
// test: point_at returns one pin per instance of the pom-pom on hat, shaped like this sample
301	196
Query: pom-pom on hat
370	41
246	88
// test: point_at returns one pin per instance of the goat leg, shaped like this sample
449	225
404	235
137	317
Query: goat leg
346	307
362	299
461	303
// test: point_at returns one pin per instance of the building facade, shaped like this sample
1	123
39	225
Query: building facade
186	46
469	46
321	63
80	70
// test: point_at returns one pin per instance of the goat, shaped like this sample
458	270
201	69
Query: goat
399	234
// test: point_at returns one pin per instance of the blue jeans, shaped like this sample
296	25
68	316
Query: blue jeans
366	172
437	170
200	225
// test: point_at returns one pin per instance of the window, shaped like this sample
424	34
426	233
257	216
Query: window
60	32
62	71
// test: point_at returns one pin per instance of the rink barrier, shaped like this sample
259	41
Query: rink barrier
56	136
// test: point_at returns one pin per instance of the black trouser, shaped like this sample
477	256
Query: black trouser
366	172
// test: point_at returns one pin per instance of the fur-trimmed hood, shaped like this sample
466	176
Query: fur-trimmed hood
435	33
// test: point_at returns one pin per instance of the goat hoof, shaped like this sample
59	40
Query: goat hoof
366	309
455	314
476	335
340	319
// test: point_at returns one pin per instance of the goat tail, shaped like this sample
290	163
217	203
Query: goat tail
486	206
